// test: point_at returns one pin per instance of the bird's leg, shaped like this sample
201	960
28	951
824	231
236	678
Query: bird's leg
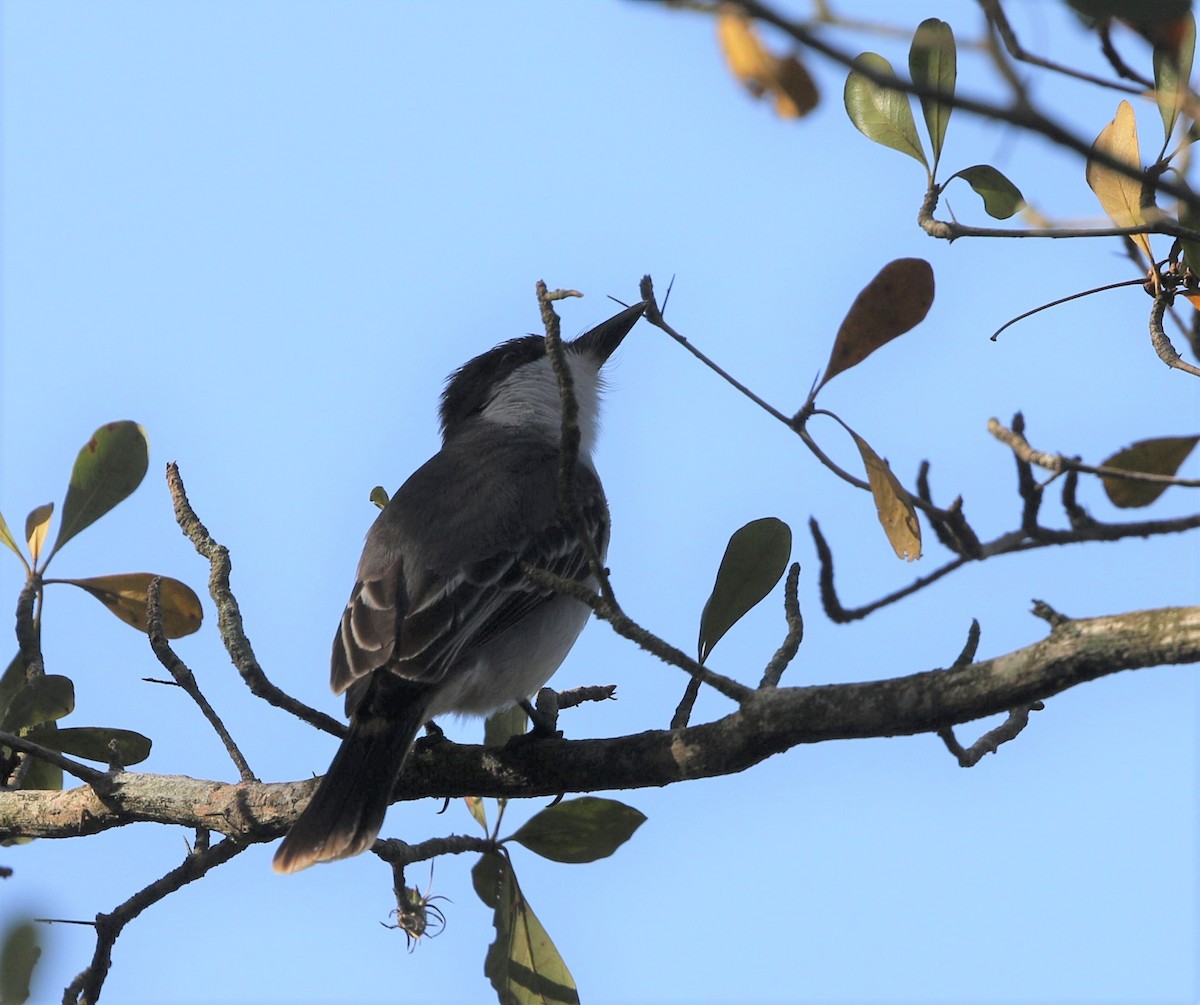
545	716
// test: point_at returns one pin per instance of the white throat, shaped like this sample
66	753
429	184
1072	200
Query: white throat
529	398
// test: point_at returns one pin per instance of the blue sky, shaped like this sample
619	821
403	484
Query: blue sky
267	232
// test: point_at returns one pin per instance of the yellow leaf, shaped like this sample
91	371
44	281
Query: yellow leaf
37	526
896	514
125	595
748	60
762	72
1120	195
478	810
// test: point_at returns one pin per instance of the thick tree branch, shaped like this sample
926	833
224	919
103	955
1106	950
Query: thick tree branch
768	722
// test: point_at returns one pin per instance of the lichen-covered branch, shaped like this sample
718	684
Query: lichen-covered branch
767	722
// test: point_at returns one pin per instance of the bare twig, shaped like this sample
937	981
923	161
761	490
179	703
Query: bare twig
1014	542
970	647
654	316
1059	464
186	679
832	605
1158	337
795	631
1017	720
996	16
588	692
628	628
397	853
229	615
100	781
952	230
85	989
29	634
683	711
570	436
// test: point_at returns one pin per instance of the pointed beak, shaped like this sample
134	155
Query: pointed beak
603	340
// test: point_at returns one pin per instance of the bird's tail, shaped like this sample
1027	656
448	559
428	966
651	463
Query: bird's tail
347	810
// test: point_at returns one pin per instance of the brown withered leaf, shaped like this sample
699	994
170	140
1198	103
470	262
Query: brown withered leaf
896	514
1160	456
795	90
896	300
760	71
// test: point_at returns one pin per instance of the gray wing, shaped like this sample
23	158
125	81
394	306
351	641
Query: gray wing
417	608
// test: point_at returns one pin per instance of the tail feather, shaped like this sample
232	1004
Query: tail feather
346	811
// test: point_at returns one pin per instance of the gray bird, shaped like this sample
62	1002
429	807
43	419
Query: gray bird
441	617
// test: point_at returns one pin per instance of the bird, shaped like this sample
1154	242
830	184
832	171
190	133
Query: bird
442	618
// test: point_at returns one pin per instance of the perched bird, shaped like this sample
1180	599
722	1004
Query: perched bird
441	618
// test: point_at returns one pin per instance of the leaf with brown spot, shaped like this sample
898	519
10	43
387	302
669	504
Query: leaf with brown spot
1159	456
109	467
896	513
895	301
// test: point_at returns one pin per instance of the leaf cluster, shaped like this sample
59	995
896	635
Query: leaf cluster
523	964
109	467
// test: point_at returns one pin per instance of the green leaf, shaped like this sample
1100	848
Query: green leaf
881	113
109	467
1172	69
1160	456
43	776
42	699
895	301
19	953
379	496
502	726
523	964
37	526
932	62
896	513
7	539
11	682
1001	198
755	559
125	595
91	742
487	876
1191	249
580	830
